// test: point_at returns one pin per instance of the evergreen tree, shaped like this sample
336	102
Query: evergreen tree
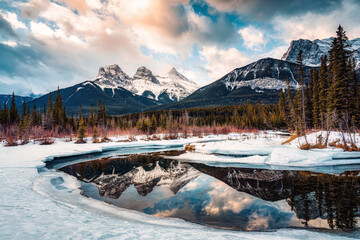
315	98
153	124
282	104
14	115
48	114
58	111
301	75
23	109
49	104
339	95
81	131
101	114
95	135
92	120
323	90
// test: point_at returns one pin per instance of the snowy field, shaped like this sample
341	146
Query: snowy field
36	203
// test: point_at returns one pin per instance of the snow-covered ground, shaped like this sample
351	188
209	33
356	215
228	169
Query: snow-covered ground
267	149
36	203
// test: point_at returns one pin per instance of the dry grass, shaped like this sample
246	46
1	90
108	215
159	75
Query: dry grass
190	148
46	141
11	142
80	141
292	138
345	147
308	146
105	140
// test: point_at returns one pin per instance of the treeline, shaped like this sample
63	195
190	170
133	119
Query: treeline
330	100
45	123
249	116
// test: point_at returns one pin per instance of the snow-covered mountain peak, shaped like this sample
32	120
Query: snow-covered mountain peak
146	74
112	71
313	51
175	75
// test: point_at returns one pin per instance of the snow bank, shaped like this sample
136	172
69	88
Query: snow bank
267	149
313	138
34	155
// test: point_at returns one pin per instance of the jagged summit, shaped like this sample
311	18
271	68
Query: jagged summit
171	87
112	71
144	73
313	51
174	74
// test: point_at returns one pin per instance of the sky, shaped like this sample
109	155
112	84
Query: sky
45	44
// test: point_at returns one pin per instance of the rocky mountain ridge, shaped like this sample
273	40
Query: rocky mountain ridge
313	51
171	87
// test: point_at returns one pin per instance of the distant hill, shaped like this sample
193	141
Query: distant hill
6	99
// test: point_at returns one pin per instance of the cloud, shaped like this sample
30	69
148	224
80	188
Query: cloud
219	62
7	32
76	37
253	38
12	18
265	9
320	25
32	8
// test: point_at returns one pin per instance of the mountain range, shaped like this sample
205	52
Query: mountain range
258	81
122	94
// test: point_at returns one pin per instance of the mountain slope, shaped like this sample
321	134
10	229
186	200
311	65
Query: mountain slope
260	80
313	51
171	87
6	99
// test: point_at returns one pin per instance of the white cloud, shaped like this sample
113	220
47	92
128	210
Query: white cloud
10	43
13	20
219	62
253	38
320	25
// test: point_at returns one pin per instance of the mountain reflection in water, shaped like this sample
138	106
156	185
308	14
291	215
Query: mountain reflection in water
223	197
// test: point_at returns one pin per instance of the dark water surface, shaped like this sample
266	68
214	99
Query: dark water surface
224	197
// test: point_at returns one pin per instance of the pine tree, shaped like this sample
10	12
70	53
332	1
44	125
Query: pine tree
48	114
23	109
282	105
5	116
49	105
95	135
101	114
81	131
153	124
323	90
339	95
315	98
92	120
14	115
57	111
301	76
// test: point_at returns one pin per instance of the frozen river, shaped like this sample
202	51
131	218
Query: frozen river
42	203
